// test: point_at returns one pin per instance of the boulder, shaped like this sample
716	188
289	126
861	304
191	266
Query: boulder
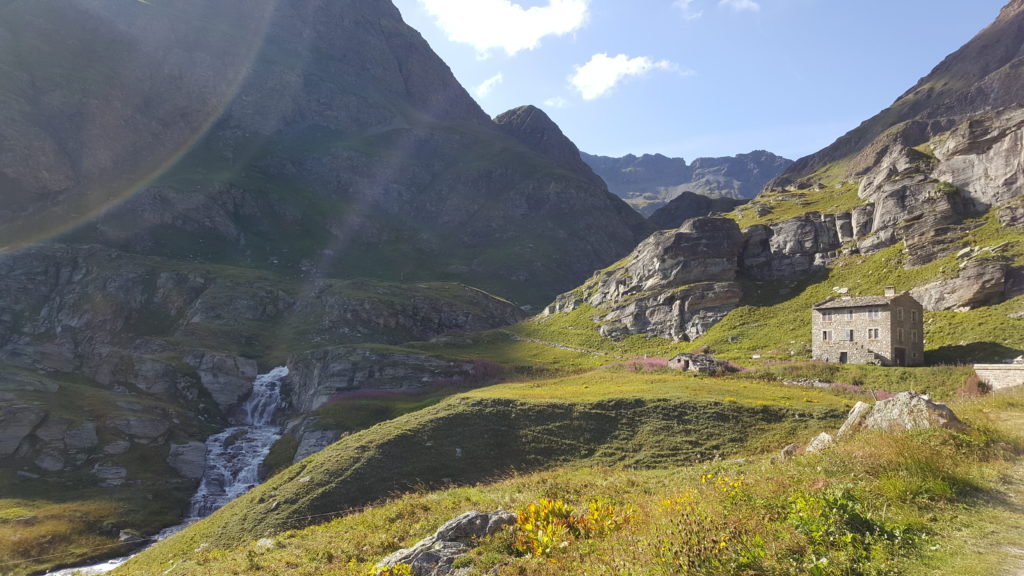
142	428
109	474
911	411
980	283
82	438
189	459
820	442
855	421
434	556
16	423
228	379
787	453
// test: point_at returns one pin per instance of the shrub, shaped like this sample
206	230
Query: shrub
396	570
548	525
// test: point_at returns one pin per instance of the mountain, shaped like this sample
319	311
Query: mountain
689	205
983	77
926	196
648	182
317	139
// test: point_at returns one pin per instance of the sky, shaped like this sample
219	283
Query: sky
692	78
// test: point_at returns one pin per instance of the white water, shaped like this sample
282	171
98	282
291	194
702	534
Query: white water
234	456
233	460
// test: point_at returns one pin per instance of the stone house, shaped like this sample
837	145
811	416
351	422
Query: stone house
699	363
884	330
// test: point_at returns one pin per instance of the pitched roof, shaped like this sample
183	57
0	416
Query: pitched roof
854	302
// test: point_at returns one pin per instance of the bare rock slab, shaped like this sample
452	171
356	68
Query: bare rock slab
435	556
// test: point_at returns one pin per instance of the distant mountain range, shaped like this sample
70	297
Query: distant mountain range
650	181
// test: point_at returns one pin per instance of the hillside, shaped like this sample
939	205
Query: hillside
650	181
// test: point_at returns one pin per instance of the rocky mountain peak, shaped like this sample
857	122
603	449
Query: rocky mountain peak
537	131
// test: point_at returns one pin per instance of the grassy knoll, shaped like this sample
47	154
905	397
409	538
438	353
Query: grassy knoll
912	504
627	419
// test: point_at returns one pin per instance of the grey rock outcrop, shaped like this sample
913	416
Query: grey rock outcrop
979	284
434	556
189	460
318	375
676	284
904	411
228	379
793	247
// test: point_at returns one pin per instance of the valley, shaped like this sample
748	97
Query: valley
334	305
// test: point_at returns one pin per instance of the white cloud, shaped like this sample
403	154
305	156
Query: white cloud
556	102
485	87
689	12
502	24
741	5
595	78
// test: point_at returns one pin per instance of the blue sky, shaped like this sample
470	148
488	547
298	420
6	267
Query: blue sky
696	77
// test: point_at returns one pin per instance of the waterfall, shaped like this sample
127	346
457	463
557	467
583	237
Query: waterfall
233	460
234	456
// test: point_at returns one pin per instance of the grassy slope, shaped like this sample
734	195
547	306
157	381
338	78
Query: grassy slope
914	504
617	417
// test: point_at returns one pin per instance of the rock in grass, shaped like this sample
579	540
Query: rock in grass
787	453
435	556
911	411
904	411
855	421
821	442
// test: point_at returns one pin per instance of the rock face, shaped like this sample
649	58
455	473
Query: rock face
904	411
317	376
980	283
434	556
948	150
676	284
649	182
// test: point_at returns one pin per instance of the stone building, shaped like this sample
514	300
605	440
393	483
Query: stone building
884	330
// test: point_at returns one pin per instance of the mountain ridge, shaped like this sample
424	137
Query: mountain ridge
650	181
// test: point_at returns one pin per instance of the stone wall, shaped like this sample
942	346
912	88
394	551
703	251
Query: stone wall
1001	376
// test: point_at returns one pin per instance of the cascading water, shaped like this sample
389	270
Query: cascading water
233	460
234	456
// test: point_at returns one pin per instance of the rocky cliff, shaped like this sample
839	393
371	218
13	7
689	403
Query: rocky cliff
650	181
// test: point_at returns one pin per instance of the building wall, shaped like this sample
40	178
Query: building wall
1000	376
887	323
912	324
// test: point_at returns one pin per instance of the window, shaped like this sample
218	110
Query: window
826	315
826	335
872	333
899	335
849	314
874	314
913	315
849	336
913	335
899	314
